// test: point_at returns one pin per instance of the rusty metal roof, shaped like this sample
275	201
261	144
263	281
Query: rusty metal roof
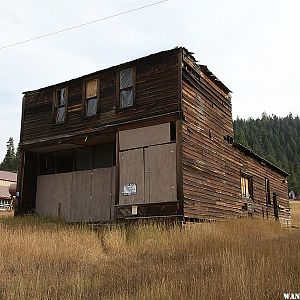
8	176
4	192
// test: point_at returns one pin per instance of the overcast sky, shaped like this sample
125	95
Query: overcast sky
251	46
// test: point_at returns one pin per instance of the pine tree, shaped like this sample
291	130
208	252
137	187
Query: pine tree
9	162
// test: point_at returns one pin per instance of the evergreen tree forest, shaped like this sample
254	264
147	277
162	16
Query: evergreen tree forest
275	138
10	161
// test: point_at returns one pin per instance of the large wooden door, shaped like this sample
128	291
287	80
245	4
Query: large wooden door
160	170
152	170
132	176
102	196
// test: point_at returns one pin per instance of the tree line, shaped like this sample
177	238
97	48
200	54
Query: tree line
10	161
275	138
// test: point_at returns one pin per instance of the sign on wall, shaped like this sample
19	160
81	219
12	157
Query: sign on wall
129	189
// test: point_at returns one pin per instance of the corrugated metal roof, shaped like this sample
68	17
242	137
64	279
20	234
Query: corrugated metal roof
4	193
9	176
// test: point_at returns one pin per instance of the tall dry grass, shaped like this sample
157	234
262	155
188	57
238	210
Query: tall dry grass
241	259
295	208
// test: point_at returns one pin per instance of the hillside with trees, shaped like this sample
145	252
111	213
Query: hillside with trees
275	138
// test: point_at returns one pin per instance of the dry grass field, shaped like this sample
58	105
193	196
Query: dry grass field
295	208
240	259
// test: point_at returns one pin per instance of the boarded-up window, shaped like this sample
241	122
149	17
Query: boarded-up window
126	88
60	105
91	99
247	186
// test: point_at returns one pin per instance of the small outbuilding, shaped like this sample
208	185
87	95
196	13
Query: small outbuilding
7	180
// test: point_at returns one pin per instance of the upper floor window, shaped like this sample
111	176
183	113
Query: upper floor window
91	97
60	105
246	186
126	81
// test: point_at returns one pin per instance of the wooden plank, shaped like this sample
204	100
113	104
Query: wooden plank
44	196
144	136
100	204
62	195
132	172
81	193
113	192
162	173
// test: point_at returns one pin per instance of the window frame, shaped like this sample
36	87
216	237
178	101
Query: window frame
55	105
250	186
119	90
268	192
85	100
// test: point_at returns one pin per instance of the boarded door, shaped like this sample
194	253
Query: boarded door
62	196
44	195
152	170
160	170
132	175
81	193
102	197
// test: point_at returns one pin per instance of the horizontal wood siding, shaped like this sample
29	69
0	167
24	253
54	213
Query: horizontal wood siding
156	93
212	167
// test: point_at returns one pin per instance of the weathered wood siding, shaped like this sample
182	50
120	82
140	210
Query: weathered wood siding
156	92
79	196
212	166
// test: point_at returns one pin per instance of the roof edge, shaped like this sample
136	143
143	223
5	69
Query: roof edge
259	158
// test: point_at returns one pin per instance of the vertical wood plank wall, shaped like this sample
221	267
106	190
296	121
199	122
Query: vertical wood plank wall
79	196
151	166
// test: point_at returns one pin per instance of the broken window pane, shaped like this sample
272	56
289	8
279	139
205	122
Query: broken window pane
60	96
91	89
60	114
126	98
247	186
91	107
126	79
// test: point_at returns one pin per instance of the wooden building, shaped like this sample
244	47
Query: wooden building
7	180
145	139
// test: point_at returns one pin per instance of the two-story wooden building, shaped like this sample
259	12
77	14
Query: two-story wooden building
148	138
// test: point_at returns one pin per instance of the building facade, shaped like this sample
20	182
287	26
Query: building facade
145	139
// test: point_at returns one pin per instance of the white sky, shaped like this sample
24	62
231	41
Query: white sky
252	46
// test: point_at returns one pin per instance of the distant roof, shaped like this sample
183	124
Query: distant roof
259	158
8	176
4	192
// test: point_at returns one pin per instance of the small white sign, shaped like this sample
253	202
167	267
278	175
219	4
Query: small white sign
129	189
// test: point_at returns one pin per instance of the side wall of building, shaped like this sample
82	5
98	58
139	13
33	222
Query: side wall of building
212	166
